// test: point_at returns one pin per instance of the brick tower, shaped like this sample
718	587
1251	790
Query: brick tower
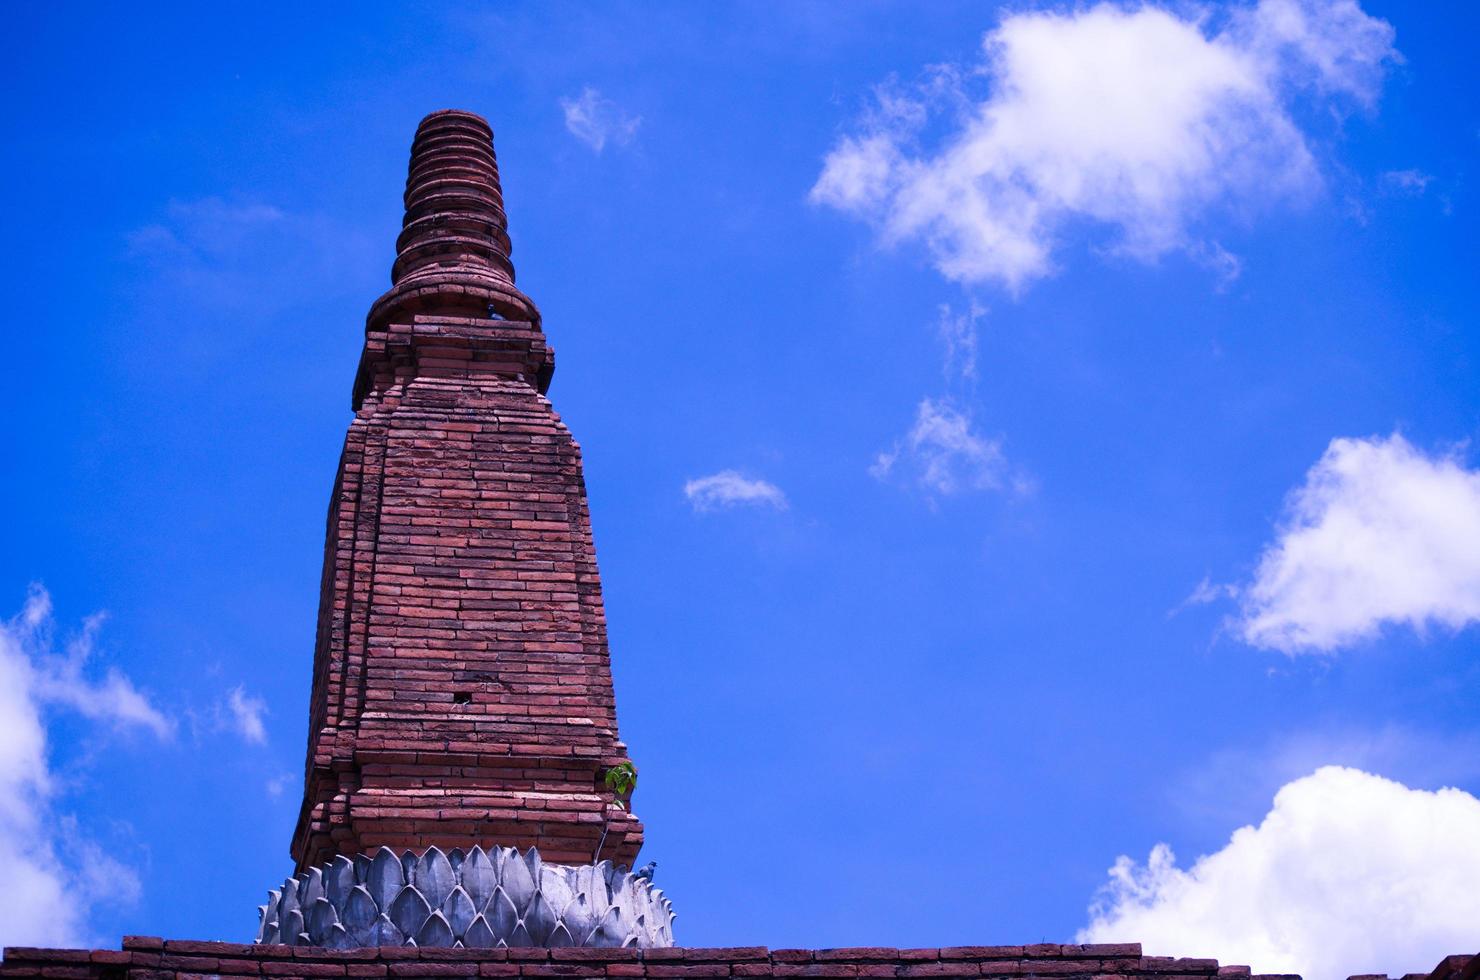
462	693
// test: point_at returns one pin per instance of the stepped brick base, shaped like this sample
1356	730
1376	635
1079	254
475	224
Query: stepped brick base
148	958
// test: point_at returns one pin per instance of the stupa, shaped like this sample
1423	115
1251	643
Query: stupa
463	723
467	808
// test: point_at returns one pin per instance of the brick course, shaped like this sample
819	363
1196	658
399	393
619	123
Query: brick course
149	958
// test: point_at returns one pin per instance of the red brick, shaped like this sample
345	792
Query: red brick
191	964
983	952
857	953
300	969
50	955
725	954
1059	968
109	957
593	954
943	968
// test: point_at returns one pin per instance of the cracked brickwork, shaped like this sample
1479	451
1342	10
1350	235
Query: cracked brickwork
462	692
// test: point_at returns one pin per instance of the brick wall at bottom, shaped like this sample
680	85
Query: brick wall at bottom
148	958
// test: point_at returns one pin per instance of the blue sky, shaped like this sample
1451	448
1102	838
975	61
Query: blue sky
1018	437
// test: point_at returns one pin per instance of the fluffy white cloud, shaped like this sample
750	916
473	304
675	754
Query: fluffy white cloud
1133	118
596	121
730	488
944	455
1348	873
246	715
54	874
1379	533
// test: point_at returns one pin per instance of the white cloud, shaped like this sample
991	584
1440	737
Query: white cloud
208	227
246	715
596	121
277	785
1379	533
59	678
1330	45
730	488
958	333
1412	182
54	874
236	264
1206	592
1223	264
1234	785
944	455
1348	873
1132	119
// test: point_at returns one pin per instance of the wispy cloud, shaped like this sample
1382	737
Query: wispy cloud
56	875
1380	533
233	264
60	677
1348	873
1207	591
1407	182
1138	120
1236	783
731	488
246	714
958	334
597	121
205	228
943	454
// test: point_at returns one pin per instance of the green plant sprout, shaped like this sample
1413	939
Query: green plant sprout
620	780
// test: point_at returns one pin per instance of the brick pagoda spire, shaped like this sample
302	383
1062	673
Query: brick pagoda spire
462	692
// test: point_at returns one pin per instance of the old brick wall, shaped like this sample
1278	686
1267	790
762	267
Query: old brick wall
144	957
149	958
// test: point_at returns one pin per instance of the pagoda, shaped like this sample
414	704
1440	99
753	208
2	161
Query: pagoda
462	722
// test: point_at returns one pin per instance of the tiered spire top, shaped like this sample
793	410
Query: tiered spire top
453	251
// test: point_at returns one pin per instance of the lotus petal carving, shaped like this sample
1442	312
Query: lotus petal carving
474	898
